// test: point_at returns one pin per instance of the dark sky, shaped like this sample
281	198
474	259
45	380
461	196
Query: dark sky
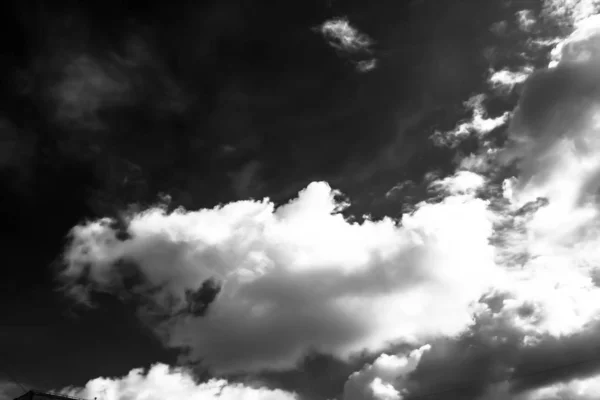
117	105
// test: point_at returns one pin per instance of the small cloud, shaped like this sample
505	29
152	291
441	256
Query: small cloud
383	379
464	182
526	20
347	39
479	124
499	28
367	65
341	35
505	80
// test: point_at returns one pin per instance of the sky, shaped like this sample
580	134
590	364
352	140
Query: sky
312	200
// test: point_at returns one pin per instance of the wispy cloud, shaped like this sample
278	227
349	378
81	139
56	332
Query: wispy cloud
341	35
347	39
478	125
526	20
505	80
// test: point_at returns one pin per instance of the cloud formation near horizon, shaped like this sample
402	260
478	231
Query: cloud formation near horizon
162	382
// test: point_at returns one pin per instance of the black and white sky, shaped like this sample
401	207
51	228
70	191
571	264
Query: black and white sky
309	200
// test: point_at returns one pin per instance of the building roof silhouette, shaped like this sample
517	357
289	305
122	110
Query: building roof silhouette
40	395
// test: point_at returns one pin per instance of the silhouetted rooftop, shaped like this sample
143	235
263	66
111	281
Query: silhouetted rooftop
40	395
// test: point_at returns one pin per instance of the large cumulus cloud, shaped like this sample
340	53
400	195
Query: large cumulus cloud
294	278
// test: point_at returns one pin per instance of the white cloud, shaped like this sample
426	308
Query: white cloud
298	277
164	383
554	143
347	39
583	43
479	124
480	162
504	80
464	182
341	35
526	20
383	379
569	12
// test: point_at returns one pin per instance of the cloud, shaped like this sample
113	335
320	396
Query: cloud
295	278
554	128
342	36
463	182
349	41
543	318
382	379
504	80
569	12
526	20
576	389
580	389
479	124
366	65
551	222
162	382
